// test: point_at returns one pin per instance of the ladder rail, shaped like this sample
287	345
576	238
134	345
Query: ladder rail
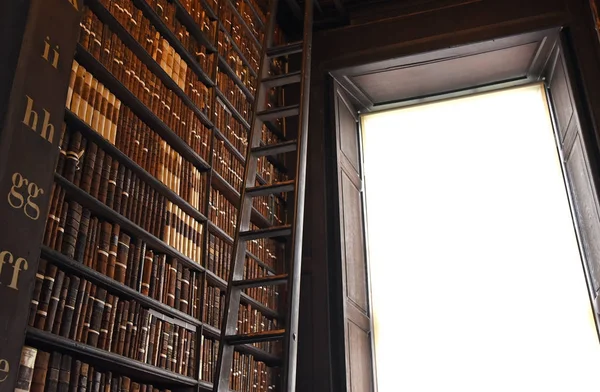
233	294
294	246
290	345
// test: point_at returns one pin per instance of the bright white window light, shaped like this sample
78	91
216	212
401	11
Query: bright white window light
477	283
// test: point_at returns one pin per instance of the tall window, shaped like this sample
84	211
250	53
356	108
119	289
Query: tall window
477	281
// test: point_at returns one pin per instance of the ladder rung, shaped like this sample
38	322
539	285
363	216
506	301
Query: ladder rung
281	112
282	80
269	232
269	280
275	149
256	337
265	190
284	50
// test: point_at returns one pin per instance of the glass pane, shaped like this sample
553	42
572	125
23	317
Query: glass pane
476	274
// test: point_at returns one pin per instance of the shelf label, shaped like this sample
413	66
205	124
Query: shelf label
29	138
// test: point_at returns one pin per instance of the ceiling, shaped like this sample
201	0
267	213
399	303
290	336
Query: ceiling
327	13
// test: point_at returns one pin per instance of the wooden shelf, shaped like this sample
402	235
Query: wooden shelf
257	353
229	145
65	263
223	66
235	47
232	109
86	200
188	21
243	23
138	108
107	360
211	13
166	33
107	18
77	124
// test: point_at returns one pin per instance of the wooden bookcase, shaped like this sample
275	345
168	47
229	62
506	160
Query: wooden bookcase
143	200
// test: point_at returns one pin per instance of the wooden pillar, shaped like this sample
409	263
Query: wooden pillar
34	95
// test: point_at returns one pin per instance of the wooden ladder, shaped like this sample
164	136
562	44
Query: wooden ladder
291	233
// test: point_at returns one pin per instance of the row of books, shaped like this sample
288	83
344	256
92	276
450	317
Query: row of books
167	11
111	183
199	14
233	25
219	261
222	212
149	89
232	129
42	371
255	22
249	320
77	309
272	207
233	59
157	46
183	232
227	165
106	248
234	95
248	374
120	126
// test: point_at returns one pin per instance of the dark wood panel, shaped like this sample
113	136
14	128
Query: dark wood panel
419	79
353	242
586	209
562	96
359	357
348	142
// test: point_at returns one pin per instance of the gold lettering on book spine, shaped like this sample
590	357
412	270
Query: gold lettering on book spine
4	370
51	57
19	264
17	199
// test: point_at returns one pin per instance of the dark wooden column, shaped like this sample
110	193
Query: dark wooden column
34	96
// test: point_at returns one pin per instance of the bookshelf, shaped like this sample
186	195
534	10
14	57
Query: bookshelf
136	248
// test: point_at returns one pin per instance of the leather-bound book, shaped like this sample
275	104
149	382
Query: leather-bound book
126	192
69	307
119	188
185	291
147	272
75	374
37	290
40	371
105	176
58	277
123	251
64	376
103	248
53	372
78	172
112	251
77	90
97	173
82	236
88	167
86	313
112	325
26	369
72	224
52	219
58	317
104	323
96	317
80	302
112	183
73	154
83	377
89	252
